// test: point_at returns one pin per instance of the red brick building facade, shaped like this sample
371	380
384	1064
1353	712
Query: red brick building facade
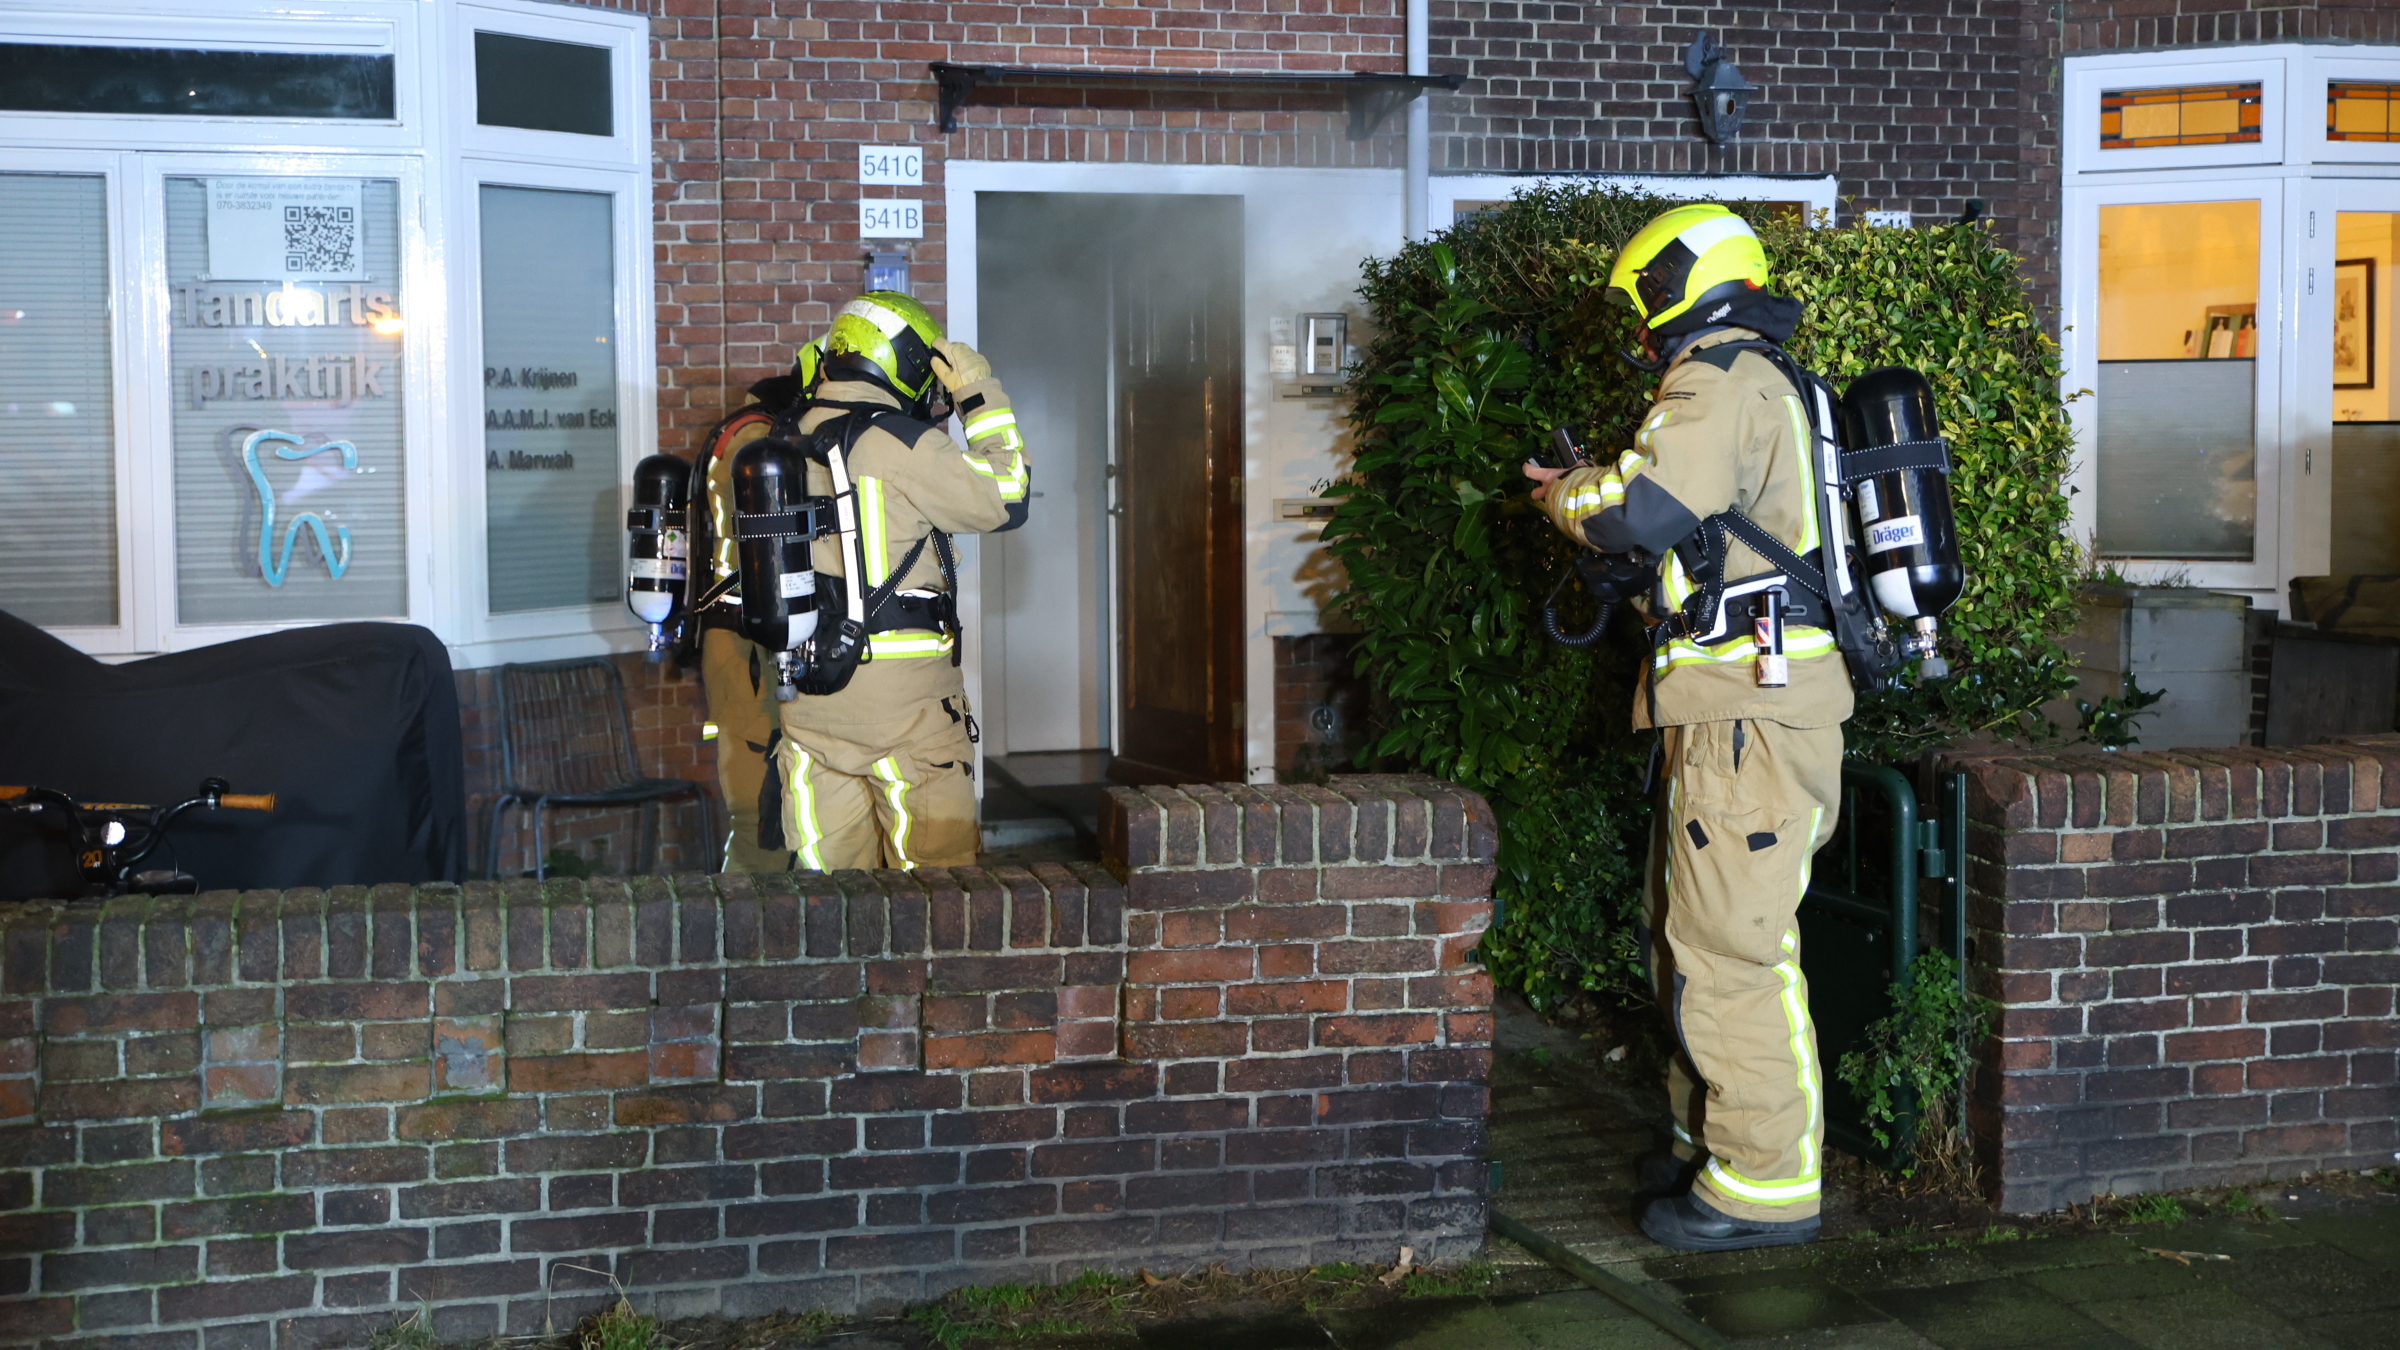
1917	105
1912	106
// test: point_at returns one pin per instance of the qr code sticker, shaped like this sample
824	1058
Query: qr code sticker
320	239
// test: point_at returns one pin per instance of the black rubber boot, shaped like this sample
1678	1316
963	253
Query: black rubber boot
1688	1225
1662	1173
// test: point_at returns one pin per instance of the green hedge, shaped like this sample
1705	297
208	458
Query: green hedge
1495	331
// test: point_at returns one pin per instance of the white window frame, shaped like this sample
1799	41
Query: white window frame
2088	79
1446	191
484	637
154	446
2317	247
440	156
135	537
360	27
2080	314
2308	134
2298	177
629	69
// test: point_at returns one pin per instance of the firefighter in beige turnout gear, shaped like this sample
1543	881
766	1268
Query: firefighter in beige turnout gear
737	678
1751	768
881	773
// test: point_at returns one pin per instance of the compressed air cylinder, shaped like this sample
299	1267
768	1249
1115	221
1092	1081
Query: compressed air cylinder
1906	529
779	584
657	543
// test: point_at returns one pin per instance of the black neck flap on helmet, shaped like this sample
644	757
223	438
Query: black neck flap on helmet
1735	304
844	366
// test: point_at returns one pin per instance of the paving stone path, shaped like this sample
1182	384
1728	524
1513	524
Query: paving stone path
2322	1273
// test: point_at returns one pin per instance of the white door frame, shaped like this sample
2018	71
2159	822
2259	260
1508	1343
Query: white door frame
962	179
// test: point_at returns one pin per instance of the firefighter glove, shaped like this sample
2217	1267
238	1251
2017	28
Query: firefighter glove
958	365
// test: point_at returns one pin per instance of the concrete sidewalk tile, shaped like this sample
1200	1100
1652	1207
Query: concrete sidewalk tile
1662	1264
2154	1277
2353	1331
1569	1305
1575	1319
1866	1267
1992	1315
1880	1336
1447	1324
2374	1238
2312	1280
2227	1234
2057	1253
1771	1302
1630	1334
2207	1319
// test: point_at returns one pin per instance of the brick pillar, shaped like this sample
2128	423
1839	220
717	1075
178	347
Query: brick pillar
2194	953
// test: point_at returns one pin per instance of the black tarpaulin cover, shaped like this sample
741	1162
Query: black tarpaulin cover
353	727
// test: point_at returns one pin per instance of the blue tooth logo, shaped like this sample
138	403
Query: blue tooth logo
274	568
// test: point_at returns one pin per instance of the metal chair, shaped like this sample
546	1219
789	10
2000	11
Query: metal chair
566	740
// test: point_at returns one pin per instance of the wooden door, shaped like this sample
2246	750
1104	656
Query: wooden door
1176	301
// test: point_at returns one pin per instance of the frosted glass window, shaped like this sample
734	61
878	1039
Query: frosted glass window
2176	452
286	377
554	524
2176	472
58	454
2366	498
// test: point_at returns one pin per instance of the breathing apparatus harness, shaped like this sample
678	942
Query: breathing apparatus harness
1917	551
820	635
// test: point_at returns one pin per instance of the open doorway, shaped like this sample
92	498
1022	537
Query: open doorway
1113	620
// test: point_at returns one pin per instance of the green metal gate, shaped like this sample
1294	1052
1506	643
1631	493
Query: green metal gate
1894	870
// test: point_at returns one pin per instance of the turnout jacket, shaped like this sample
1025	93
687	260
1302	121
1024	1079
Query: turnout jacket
1727	431
912	479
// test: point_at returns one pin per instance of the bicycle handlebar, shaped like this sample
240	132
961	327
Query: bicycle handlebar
247	801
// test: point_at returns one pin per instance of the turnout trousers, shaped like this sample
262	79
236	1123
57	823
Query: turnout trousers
739	682
1744	807
882	773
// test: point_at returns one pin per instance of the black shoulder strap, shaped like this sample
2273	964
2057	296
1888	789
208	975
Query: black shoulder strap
1778	554
1700	612
854	425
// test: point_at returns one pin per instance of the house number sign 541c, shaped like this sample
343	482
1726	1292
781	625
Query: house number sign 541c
897	165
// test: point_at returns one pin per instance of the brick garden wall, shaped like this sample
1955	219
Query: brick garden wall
2195	954
284	1120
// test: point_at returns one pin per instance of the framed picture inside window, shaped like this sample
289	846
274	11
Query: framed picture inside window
2354	323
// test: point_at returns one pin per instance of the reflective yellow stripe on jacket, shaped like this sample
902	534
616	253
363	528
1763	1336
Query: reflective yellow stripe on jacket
1592	496
1799	643
996	451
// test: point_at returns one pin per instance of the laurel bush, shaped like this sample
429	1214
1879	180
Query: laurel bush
1492	332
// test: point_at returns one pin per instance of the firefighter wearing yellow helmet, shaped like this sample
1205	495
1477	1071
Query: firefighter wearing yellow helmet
1749	738
736	678
880	773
